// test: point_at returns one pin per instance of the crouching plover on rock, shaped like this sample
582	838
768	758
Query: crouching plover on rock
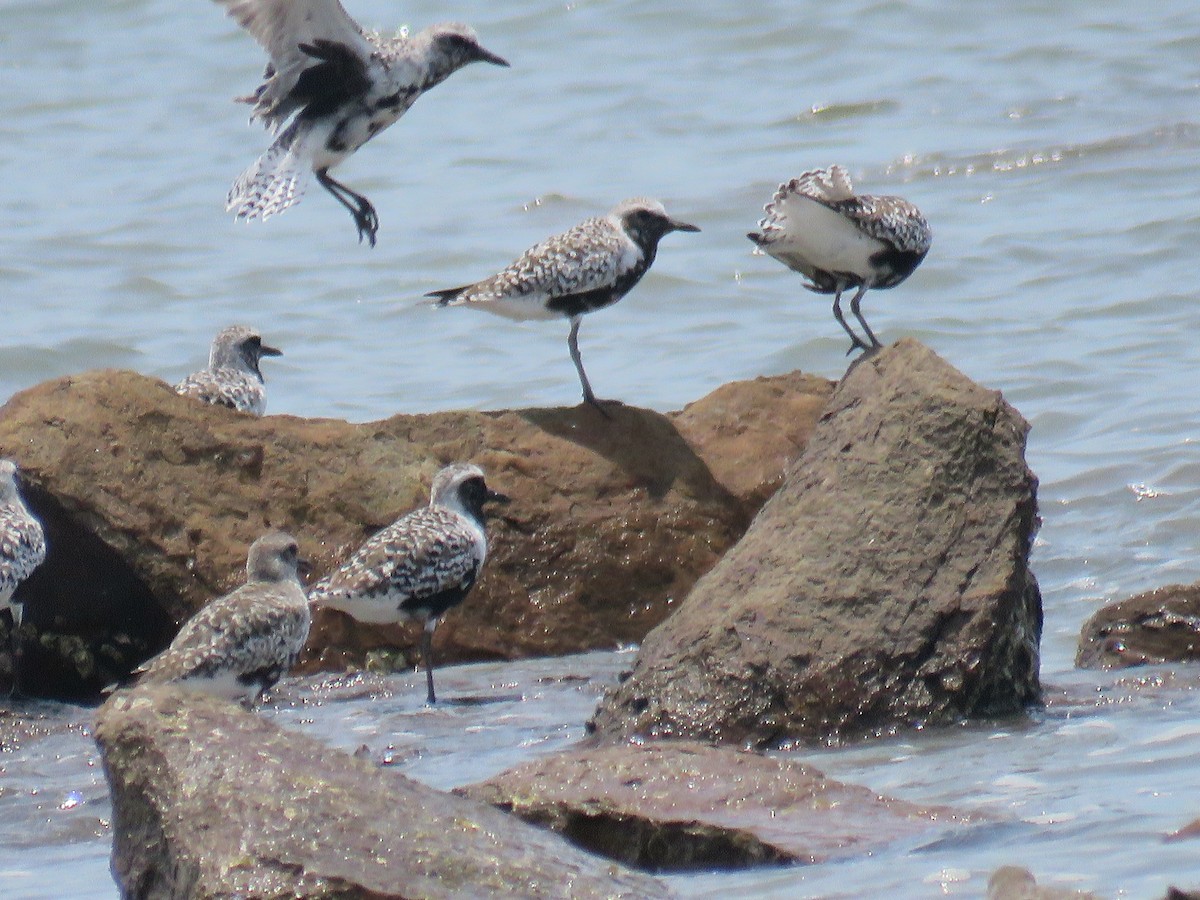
343	86
240	644
422	564
816	225
22	541
232	378
587	268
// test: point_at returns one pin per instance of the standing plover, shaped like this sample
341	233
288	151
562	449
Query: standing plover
22	541
343	85
816	225
232	378
586	268
422	564
240	644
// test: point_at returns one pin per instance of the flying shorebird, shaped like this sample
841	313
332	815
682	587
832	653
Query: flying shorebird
816	225
22	541
240	644
340	86
421	565
232	378
586	268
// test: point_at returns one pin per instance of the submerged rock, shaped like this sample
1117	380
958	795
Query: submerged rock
150	500
885	585
683	805
212	801
1158	626
1017	883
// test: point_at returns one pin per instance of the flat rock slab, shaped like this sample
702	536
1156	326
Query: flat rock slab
885	585
1158	626
674	805
150	501
212	801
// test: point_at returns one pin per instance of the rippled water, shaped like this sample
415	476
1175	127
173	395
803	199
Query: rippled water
1053	147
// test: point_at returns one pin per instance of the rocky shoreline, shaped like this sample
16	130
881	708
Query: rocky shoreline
884	586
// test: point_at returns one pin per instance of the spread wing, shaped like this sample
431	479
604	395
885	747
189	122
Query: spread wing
285	28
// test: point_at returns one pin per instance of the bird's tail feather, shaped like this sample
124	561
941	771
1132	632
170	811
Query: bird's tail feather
274	182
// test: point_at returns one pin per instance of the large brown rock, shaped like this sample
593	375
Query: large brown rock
1158	626
886	584
672	805
212	801
150	501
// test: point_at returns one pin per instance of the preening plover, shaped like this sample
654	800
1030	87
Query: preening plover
232	378
587	268
340	86
816	225
22	541
240	644
422	564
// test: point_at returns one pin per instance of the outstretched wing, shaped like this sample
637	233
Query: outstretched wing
297	34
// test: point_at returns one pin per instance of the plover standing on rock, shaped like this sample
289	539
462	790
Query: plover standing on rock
816	225
22	541
586	268
240	644
340	86
232	378
421	565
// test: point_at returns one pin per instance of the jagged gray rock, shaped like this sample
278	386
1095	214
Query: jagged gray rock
211	801
885	585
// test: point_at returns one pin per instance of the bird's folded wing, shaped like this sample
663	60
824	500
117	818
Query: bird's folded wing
586	258
22	547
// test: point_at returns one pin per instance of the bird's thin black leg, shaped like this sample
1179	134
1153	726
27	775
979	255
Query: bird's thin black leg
427	655
854	303
365	217
573	344
837	314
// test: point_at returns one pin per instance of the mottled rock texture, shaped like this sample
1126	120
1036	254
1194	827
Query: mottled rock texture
212	801
675	805
1158	626
885	585
150	501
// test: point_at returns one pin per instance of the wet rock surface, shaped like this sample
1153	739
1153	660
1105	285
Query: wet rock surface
150	501
1158	626
885	585
678	805
1017	883
212	801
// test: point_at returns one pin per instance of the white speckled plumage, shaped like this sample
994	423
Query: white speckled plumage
816	225
240	644
233	377
22	541
340	86
422	564
579	271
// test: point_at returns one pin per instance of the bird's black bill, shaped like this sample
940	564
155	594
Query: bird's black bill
488	56
676	225
264	350
497	497
304	569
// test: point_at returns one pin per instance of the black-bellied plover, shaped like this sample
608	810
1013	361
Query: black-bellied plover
422	564
232	378
816	225
587	268
343	85
22	541
240	644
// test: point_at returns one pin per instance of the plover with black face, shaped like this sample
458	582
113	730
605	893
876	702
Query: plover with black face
816	225
340	86
241	644
586	268
233	377
421	565
22	541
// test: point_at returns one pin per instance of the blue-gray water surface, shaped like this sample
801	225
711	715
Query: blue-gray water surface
1053	146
